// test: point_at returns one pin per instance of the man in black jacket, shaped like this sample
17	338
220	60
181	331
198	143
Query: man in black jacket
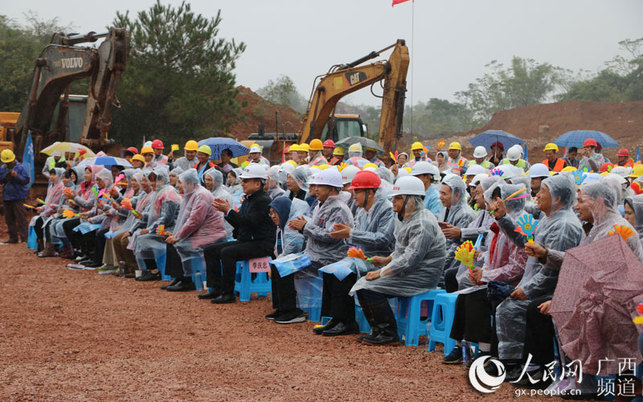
253	229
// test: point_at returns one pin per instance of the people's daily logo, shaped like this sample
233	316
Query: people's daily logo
481	380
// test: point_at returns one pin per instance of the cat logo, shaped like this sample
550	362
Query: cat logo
355	77
72	62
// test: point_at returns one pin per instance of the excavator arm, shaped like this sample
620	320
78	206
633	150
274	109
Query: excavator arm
348	78
58	66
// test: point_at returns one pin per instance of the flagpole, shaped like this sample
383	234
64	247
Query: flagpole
412	57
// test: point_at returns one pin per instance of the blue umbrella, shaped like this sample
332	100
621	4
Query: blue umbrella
218	144
105	161
489	137
576	139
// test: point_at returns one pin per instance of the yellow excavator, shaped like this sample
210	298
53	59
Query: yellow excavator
321	122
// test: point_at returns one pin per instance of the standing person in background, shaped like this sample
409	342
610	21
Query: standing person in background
624	159
226	165
479	155
456	163
553	162
148	155
203	155
591	158
497	153
255	156
338	156
329	147
15	185
514	157
52	161
571	157
315	155
189	160
370	154
159	158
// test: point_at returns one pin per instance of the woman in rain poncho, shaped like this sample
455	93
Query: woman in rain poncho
47	211
103	215
297	185
220	191
164	207
133	224
504	262
272	183
634	213
455	210
54	232
174	176
560	229
414	267
196	225
373	233
234	182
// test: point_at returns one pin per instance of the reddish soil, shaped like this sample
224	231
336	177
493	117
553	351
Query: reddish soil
256	110
540	124
68	335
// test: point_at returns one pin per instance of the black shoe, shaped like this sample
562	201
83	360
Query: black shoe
342	329
454	357
291	318
210	294
224	299
384	337
513	372
174	282
273	315
330	324
148	276
90	264
184	285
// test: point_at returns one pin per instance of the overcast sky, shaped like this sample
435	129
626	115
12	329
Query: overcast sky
452	40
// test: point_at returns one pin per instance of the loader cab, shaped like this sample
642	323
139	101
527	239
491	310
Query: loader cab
344	126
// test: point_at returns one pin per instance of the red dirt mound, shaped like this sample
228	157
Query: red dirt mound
255	110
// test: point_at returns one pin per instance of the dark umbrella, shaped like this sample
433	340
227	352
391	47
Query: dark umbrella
490	137
599	287
366	143
576	139
218	144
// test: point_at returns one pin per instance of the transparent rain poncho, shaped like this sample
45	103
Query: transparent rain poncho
54	193
197	223
418	258
272	187
85	198
138	202
176	172
560	230
220	191
236	190
284	169
300	175
636	203
458	214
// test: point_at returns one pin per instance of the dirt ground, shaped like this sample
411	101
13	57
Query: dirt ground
67	335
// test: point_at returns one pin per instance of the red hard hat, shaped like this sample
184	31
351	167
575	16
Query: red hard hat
590	142
498	144
157	144
133	150
606	167
623	152
366	179
329	144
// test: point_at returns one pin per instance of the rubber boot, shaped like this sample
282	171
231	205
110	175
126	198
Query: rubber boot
368	314
384	321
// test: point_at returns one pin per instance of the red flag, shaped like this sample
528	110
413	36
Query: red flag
398	2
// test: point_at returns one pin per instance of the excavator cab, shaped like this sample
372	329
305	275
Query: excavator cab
344	126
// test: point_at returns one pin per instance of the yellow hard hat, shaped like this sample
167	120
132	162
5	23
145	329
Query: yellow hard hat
205	149
304	147
355	148
417	145
147	150
636	172
293	148
408	169
455	145
293	163
323	166
316	145
339	151
191	146
138	157
568	169
551	147
371	165
7	156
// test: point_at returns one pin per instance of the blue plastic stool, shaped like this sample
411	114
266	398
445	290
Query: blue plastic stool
409	323
245	285
362	322
442	321
32	239
198	272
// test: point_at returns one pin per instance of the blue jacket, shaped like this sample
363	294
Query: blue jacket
14	188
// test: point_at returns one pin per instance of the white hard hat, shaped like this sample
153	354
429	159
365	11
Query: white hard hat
147	144
348	173
510	171
592	178
477	178
328	177
479	152
621	180
538	170
408	185
621	170
286	167
475	170
402	173
423	167
255	149
514	153
254	171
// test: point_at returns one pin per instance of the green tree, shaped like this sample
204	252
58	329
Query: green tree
19	47
438	117
525	82
283	91
178	83
621	81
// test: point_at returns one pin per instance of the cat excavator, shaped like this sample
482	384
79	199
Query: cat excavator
62	62
320	120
